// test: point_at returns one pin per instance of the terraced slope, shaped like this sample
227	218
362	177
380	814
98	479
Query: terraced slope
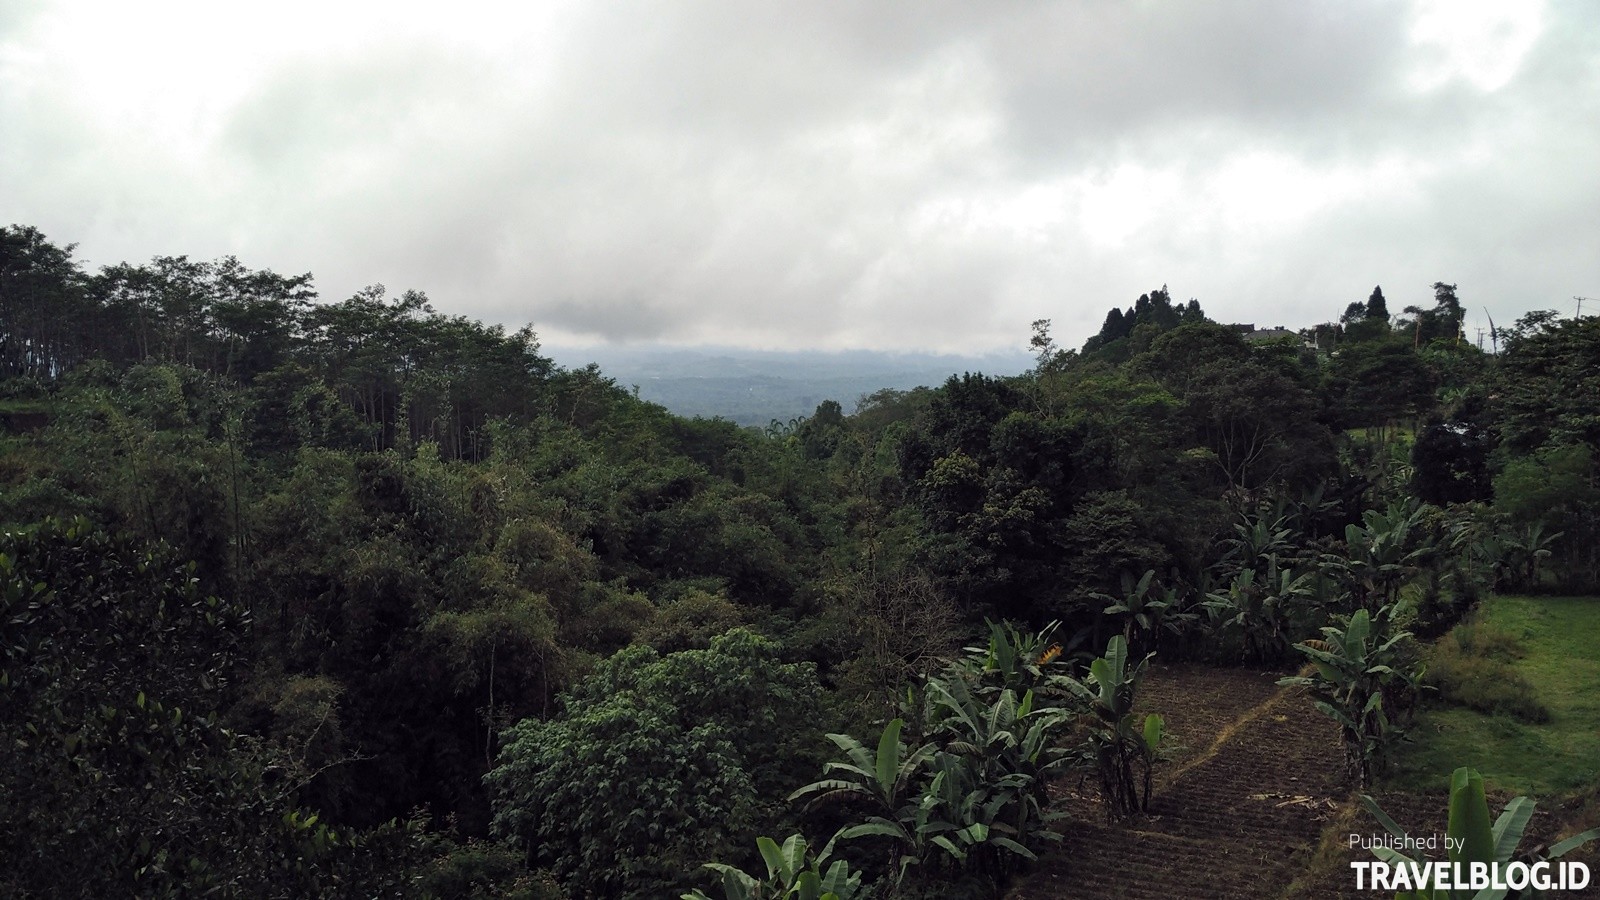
1236	815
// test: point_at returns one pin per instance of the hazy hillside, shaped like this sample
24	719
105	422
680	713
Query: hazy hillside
277	574
753	387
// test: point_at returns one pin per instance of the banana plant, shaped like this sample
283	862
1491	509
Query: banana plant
1525	549
1146	609
1259	537
973	799
1381	554
1454	535
1015	660
1260	607
1118	742
964	820
883	778
791	873
1357	684
1007	751
1473	840
890	781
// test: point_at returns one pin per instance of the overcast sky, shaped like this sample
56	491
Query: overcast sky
824	174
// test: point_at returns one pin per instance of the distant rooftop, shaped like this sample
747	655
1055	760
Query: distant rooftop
1276	332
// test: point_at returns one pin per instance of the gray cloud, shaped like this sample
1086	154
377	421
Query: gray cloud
929	175
1092	77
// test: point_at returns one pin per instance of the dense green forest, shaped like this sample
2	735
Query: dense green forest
357	598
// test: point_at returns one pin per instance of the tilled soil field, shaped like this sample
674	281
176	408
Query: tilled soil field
1239	808
1237	814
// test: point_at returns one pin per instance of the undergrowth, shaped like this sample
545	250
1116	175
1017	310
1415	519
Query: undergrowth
1472	667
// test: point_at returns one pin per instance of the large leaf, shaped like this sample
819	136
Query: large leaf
1509	827
794	856
1100	674
1382	817
839	881
1003	712
808	886
1469	818
877	826
773	857
889	757
736	884
1335	714
853	749
976	833
949	847
952	694
831	788
1578	840
1117	659
1154	728
1355	634
1014	847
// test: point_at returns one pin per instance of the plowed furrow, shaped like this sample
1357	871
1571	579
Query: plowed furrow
1234	818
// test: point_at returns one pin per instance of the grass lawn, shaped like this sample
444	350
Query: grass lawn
1561	636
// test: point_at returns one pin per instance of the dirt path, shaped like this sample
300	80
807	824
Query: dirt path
1236	814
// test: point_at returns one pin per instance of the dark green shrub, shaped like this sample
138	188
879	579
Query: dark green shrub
486	869
657	764
119	779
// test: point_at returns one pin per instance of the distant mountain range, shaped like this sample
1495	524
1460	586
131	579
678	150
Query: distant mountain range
753	387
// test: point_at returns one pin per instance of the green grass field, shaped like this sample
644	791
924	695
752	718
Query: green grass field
1561	637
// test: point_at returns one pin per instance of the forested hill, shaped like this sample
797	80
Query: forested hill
311	598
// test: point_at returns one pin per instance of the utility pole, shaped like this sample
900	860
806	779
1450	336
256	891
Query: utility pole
1580	304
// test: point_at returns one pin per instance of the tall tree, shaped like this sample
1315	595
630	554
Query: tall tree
1447	312
43	313
1377	306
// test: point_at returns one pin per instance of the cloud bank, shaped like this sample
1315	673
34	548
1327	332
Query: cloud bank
900	175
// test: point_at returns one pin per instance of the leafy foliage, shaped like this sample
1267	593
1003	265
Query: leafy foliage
420	531
1121	747
1147	610
114	669
1362	680
792	871
972	798
656	762
1381	555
